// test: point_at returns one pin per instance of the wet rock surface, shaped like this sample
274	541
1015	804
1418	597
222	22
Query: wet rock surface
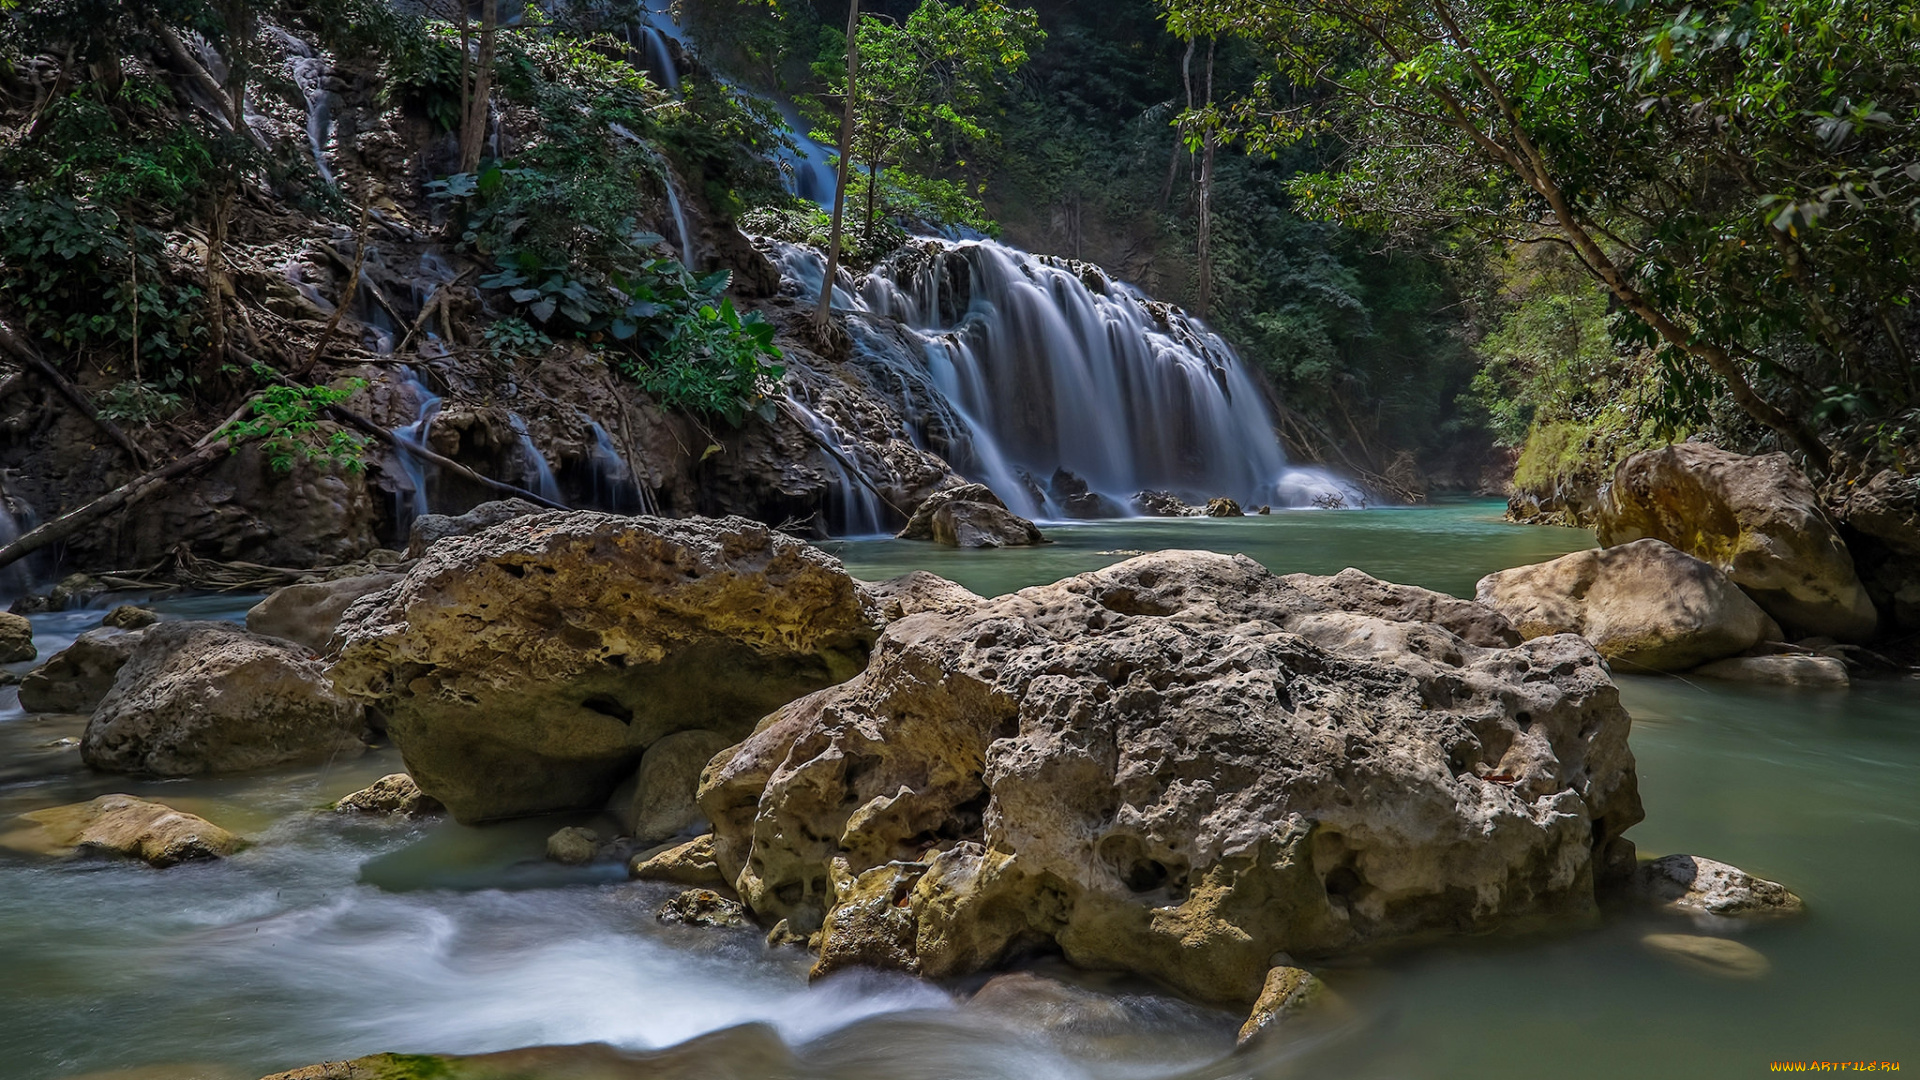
528	668
209	697
1710	955
1164	504
1691	884
657	803
1756	519
690	863
1224	507
913	593
1824	672
16	639
1287	992
1177	766
75	679
121	825
393	795
703	907
429	529
309	613
1644	605
969	516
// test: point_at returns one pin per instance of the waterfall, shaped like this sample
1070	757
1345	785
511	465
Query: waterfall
415	435
1047	365
542	482
615	485
853	508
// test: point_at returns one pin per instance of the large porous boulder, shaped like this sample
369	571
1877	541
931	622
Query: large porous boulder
918	591
76	678
1177	766
209	697
1363	594
1644	605
429	529
1756	519
16	638
969	516
527	668
308	613
121	825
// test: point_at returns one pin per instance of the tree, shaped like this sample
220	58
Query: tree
849	94
1742	176
927	86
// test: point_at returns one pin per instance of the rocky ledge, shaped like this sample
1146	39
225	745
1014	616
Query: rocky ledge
1180	766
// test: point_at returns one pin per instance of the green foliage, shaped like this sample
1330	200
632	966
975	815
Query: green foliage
69	270
514	337
140	402
711	361
924	101
287	421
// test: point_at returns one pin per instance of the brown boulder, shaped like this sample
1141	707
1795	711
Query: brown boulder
76	678
1756	519
527	668
122	825
982	525
16	638
1644	605
308	613
919	525
393	795
657	803
1177	766
203	697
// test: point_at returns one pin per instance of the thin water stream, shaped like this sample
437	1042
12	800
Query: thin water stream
331	938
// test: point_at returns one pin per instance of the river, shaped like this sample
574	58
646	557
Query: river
331	938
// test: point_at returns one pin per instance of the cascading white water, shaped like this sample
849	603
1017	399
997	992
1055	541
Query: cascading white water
615	485
538	472
415	435
1052	366
853	509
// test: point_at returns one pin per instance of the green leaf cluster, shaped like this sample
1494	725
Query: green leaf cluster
287	421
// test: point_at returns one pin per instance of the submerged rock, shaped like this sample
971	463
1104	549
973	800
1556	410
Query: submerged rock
528	668
1287	992
1756	519
429	529
1692	884
309	613
75	679
1163	504
393	795
122	825
1177	766
1711	955
1644	605
1224	507
206	697
16	639
1786	669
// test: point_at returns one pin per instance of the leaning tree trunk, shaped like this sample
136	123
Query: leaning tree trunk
473	128
824	308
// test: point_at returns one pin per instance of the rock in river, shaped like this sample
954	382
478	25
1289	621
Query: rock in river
122	825
969	516
1823	672
74	679
16	638
393	795
1177	766
1756	519
527	668
1702	886
204	697
308	613
1710	955
1644	605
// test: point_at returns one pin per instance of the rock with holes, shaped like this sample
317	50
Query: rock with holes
1644	605
429	529
16	638
1691	884
528	668
913	593
1757	519
74	679
1178	766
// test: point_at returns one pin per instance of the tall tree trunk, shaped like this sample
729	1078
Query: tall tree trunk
1204	245
824	308
473	130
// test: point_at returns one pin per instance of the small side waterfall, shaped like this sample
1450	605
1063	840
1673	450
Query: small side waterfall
538	473
616	486
853	509
418	472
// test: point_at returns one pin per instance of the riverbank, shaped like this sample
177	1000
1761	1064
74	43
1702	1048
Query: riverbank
333	938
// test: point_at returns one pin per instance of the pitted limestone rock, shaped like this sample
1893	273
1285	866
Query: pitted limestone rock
1177	766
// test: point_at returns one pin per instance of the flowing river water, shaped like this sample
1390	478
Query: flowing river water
332	938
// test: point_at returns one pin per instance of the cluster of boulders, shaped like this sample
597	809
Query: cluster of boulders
1711	562
1182	766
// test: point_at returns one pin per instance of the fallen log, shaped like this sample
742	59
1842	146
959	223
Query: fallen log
126	494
